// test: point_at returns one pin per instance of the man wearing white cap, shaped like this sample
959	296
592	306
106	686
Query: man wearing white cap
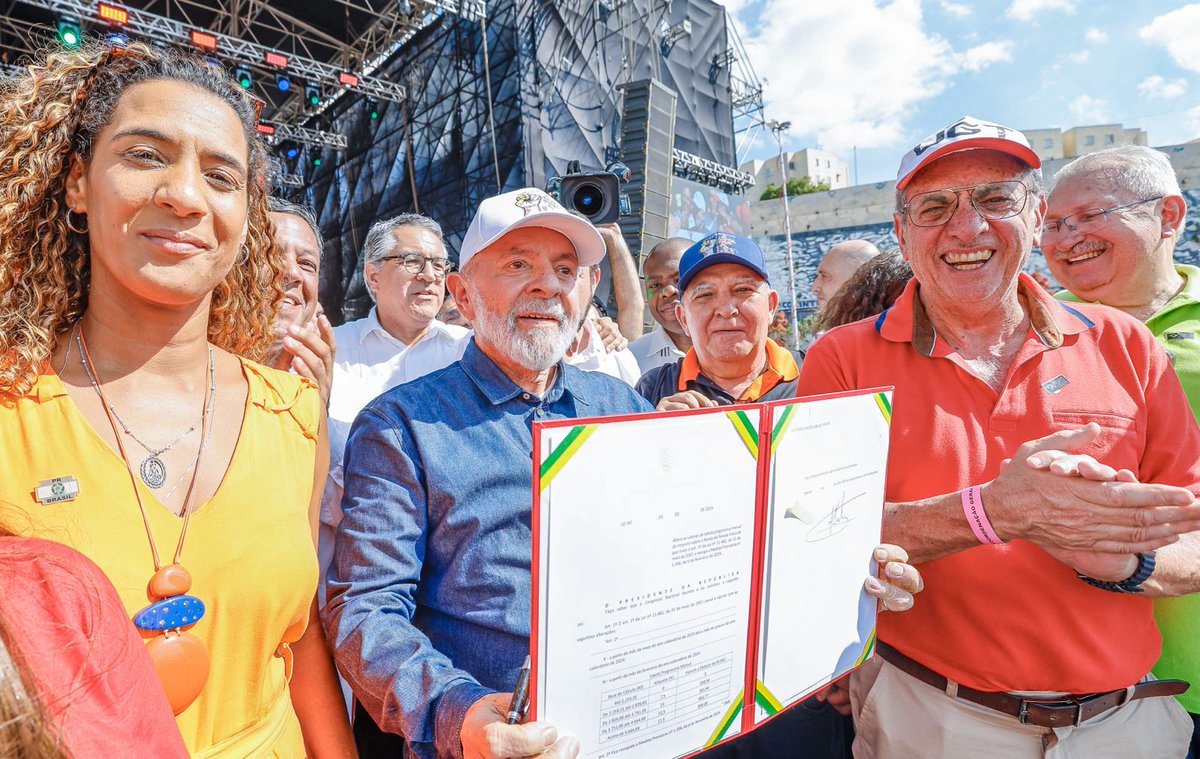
1037	634
430	587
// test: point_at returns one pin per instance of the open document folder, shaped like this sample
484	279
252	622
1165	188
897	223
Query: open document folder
689	564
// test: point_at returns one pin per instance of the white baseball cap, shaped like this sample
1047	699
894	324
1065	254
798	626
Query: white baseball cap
530	207
967	133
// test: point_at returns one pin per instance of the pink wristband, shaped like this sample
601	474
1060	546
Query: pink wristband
972	501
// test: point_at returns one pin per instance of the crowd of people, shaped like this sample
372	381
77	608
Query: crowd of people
231	529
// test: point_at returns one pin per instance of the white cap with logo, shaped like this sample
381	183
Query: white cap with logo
967	133
530	207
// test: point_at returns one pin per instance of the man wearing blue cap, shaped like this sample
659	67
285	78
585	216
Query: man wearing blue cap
725	306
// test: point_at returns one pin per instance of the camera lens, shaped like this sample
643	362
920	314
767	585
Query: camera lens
588	199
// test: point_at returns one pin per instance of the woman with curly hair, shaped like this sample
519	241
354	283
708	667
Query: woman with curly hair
873	287
138	280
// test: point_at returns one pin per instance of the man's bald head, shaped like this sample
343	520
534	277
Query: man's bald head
670	249
839	263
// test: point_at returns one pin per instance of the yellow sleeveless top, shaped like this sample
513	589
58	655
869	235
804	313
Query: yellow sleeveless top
249	549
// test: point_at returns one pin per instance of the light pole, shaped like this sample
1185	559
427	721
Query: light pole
778	128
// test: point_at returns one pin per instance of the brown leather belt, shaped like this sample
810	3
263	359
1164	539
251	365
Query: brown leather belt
1058	712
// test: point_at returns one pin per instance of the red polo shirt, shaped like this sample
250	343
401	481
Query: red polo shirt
1011	618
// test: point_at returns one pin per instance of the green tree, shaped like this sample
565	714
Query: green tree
797	186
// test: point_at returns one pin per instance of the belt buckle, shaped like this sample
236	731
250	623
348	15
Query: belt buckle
1078	711
1023	714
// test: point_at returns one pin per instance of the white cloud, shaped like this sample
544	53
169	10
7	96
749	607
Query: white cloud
852	73
1089	110
1155	86
982	56
1176	31
734	6
1027	10
1079	57
1194	117
1097	36
957	10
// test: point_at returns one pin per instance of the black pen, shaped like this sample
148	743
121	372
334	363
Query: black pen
520	699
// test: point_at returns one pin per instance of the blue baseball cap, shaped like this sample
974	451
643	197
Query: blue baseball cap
721	248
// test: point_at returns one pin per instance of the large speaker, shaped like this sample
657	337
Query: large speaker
647	136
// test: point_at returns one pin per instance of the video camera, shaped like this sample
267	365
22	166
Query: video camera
596	195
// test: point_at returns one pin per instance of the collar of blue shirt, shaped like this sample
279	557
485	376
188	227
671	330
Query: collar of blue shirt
498	388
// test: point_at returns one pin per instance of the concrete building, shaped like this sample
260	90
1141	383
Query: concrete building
1047	143
817	165
1051	144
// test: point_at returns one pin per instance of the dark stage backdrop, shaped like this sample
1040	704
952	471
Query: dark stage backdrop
555	70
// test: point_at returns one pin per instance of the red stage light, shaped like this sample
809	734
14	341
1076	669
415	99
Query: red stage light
265	128
204	40
348	79
113	14
277	60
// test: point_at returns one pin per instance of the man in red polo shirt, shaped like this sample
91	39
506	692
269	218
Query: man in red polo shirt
725	306
1036	634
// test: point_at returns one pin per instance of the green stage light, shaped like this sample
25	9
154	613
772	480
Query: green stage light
69	33
244	77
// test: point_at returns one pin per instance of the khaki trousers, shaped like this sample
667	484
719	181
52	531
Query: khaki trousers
897	716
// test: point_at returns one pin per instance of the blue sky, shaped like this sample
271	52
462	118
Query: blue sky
882	75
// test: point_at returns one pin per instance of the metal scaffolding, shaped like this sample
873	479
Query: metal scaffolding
246	31
470	97
509	108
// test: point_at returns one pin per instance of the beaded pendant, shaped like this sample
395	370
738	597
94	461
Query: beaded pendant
180	658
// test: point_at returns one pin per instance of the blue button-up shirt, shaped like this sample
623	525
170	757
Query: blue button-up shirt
429	593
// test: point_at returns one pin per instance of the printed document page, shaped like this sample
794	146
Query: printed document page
642	655
825	509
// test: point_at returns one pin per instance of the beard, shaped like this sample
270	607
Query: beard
536	351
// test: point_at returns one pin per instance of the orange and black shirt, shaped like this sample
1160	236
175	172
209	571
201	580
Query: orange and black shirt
777	381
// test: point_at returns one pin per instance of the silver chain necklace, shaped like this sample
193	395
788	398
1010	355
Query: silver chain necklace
153	470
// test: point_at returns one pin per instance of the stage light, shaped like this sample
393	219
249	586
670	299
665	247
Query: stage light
276	60
69	33
292	152
282	82
266	129
113	14
373	108
348	79
116	39
317	161
312	94
203	40
243	76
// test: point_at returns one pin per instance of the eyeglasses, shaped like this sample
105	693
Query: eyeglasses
993	200
414	263
1092	218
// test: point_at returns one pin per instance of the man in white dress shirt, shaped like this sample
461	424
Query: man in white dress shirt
404	267
668	343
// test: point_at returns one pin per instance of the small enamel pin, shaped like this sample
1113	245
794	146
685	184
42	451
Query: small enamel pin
1056	384
57	490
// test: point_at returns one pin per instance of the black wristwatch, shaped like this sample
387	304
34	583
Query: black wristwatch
1132	583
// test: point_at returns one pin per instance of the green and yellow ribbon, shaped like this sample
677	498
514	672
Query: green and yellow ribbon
885	406
745	430
563	452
